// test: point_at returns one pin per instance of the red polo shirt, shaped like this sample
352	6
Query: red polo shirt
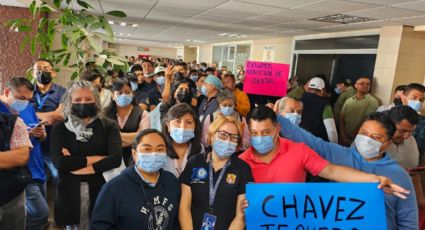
290	164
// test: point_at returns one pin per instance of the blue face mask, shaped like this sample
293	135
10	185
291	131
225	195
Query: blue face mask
19	105
262	144
227	111
123	100
151	162
160	80
337	90
224	149
194	77
181	135
134	86
367	147
294	118
416	105
204	90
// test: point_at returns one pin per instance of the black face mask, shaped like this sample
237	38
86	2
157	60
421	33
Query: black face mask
397	102
184	96
84	110
44	77
178	76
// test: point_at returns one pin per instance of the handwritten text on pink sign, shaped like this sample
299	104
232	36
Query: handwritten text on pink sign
266	78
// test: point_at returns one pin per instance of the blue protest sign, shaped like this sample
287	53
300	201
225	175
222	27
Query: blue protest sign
315	206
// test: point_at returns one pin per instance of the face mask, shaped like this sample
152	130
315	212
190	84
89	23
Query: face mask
224	149
227	111
183	96
262	144
44	77
203	69
83	110
194	77
397	102
151	162
123	100
367	147
160	80
294	118
178	76
416	105
181	135
19	105
337	90
134	86
148	75
204	90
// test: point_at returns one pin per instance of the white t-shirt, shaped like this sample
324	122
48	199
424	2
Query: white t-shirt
406	153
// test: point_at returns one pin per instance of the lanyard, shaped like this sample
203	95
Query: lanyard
213	188
41	101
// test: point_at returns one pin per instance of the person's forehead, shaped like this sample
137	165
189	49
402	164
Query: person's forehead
42	63
261	125
405	124
293	103
374	128
363	80
415	92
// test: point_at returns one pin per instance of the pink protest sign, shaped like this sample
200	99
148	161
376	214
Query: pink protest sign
266	78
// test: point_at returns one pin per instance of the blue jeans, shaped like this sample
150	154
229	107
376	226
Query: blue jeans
36	206
53	171
12	214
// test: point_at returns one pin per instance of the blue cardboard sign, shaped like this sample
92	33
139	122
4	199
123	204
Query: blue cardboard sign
315	206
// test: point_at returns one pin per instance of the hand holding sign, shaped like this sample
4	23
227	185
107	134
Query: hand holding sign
266	78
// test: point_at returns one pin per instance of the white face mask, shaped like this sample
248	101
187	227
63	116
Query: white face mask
367	147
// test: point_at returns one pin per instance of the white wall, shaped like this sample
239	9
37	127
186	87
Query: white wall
205	53
130	50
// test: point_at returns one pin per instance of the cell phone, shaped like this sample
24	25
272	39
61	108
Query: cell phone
40	124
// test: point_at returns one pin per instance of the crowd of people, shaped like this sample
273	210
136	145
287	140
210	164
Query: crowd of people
171	145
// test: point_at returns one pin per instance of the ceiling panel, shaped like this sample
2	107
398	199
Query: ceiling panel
281	3
416	5
412	21
335	6
381	2
386	13
247	8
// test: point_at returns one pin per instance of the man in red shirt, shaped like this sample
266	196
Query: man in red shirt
275	159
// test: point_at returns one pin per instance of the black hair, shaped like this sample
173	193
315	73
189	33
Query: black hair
181	64
93	74
200	76
210	69
16	82
45	60
400	88
179	111
203	64
174	88
117	85
231	76
146	60
136	67
129	76
362	77
261	113
414	86
399	113
143	133
384	120
193	71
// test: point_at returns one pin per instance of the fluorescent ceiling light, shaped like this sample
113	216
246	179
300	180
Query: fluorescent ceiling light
342	19
123	24
134	25
111	22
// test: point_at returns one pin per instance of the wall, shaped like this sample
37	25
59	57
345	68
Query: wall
189	54
12	62
283	48
205	53
131	50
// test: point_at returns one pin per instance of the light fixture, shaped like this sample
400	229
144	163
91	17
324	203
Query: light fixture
111	22
123	24
128	35
134	25
223	34
342	19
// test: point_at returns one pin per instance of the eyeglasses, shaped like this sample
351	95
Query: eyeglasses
224	135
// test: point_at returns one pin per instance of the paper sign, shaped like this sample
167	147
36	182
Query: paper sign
324	206
266	78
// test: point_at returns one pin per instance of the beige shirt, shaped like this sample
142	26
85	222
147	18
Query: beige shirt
406	153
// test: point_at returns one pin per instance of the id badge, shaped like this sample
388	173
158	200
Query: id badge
208	223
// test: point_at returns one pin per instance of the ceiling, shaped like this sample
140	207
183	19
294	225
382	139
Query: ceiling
197	22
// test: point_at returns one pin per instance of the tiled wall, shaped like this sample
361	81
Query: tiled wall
12	62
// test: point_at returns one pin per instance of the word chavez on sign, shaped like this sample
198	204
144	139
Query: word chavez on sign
314	206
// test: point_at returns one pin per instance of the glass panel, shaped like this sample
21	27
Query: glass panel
242	54
232	53
217	54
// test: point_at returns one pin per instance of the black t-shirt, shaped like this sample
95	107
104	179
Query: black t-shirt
195	175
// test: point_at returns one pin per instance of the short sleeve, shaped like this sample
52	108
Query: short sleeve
312	161
327	112
20	137
246	177
186	175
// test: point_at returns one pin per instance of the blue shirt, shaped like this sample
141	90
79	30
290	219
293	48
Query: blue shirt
49	101
35	163
400	214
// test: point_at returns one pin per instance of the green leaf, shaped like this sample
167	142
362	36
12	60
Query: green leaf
33	8
117	13
84	4
24	43
57	3
24	28
94	44
114	61
33	46
96	25
104	37
66	60
45	9
64	40
74	75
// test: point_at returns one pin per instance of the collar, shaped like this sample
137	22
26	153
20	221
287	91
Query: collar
52	89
